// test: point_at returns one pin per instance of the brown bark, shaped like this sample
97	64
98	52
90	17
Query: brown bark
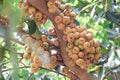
41	5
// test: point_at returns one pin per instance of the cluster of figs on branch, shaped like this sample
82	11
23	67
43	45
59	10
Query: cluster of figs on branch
80	47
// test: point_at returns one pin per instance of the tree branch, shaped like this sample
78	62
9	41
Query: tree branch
53	71
15	68
29	67
41	5
14	40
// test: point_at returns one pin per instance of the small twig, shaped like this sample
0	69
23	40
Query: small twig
20	59
53	71
23	63
29	67
12	51
30	76
15	68
107	73
14	40
116	76
3	63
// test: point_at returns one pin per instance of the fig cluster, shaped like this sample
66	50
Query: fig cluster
36	50
81	47
68	73
51	6
32	13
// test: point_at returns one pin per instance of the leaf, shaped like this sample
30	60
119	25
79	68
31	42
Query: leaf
94	68
57	68
76	2
108	78
42	71
1	77
113	17
112	31
46	78
32	78
76	22
100	15
31	26
1	4
24	73
93	11
86	7
107	5
105	50
101	73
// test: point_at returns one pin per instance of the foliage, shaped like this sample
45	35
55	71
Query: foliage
102	17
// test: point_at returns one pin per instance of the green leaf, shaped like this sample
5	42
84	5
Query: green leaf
76	22
57	68
24	73
107	5
99	17
31	26
46	77
113	17
94	69
112	31
105	50
42	71
1	77
88	6
1	4
32	78
93	11
108	78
